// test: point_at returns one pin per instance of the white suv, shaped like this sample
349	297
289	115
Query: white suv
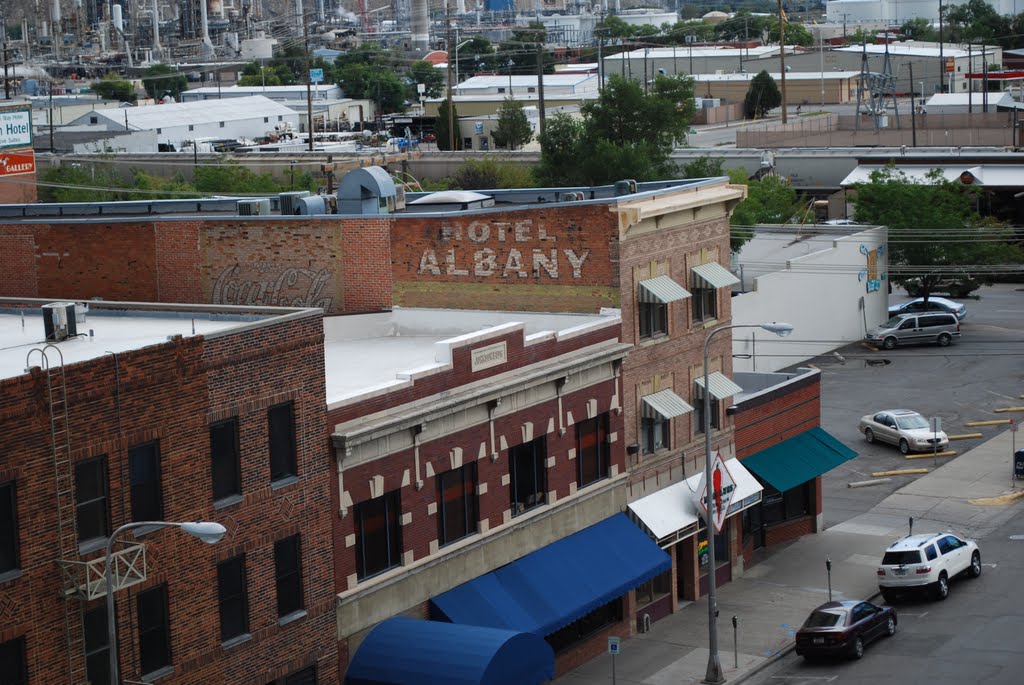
926	562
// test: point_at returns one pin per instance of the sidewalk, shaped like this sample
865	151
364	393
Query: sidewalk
775	594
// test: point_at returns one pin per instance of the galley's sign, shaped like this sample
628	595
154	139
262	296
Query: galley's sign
270	284
15	128
507	249
14	163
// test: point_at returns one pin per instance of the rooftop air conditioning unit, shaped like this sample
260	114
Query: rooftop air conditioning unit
59	321
254	207
307	206
289	201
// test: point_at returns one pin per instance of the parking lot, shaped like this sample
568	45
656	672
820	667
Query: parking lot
966	381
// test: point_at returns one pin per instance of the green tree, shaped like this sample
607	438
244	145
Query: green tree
476	54
933	228
521	51
744	26
430	76
796	34
770	200
513	129
704	166
113	87
762	97
975	20
613	26
162	79
441	126
919	28
563	137
372	73
490	173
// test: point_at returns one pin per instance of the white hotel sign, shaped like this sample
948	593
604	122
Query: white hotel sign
15	128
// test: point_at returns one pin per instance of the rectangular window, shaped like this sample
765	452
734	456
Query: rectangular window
528	474
592	450
144	466
288	575
501	90
227	477
457	505
698	406
97	646
778	507
656	588
281	428
91	500
582	628
8	528
191	127
653	319
378	534
654	434
233	598
154	629
705	300
13	668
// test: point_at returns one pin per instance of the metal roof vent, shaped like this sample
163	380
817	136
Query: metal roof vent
59	321
369	190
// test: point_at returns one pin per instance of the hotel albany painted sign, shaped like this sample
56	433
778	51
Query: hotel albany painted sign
502	249
15	128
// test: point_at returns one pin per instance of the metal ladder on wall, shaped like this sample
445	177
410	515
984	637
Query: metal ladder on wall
67	535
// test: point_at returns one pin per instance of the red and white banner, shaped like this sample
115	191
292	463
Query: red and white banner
12	163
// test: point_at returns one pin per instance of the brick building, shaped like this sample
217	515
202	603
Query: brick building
162	413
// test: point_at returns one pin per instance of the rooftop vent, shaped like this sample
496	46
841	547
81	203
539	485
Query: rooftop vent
59	321
289	201
254	207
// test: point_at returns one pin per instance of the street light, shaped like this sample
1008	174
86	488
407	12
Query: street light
714	672
208	531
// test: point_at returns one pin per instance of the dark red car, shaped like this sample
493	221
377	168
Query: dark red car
843	629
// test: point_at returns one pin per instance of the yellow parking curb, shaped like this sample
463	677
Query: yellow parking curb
903	472
965	436
1001	499
947	453
1001	410
993	422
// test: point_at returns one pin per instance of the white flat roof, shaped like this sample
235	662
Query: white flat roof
366	353
195	112
112	332
965	99
681	51
522	81
910	50
790	76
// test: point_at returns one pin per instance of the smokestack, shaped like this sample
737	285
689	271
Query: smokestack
420	24
207	48
298	16
156	29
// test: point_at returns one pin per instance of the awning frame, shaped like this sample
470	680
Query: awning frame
661	290
714	275
665	404
722	387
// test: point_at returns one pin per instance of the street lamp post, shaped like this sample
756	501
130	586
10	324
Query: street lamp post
714	672
208	531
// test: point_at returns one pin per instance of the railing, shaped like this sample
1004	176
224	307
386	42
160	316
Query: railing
87	579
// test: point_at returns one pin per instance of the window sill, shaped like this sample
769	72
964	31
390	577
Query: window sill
226	502
235	641
13	574
89	546
292	617
157	674
654	339
283	482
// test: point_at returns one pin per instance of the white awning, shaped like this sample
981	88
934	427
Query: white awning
721	387
664	404
715	275
662	289
672	510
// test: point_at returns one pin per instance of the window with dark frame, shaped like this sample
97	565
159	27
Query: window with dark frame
154	629
779	507
582	628
705	300
378	534
13	664
281	430
97	646
144	472
655	588
655	433
593	451
698	406
232	598
528	475
9	552
227	476
457	504
653	319
93	514
288	575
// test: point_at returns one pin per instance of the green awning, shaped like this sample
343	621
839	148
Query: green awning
799	459
662	290
664	404
721	386
715	275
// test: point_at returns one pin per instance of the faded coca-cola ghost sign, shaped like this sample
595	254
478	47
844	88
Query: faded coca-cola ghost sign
264	283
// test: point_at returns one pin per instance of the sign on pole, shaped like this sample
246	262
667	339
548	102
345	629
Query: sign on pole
316	75
722	489
613	645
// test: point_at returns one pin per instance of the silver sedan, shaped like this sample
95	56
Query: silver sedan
904	428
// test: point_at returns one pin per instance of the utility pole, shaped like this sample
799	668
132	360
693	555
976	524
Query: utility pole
942	60
309	85
782	60
540	80
913	109
448	48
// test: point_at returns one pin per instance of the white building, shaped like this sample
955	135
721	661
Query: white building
248	117
897	12
292	94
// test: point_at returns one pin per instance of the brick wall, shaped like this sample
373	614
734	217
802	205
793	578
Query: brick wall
791	410
169	393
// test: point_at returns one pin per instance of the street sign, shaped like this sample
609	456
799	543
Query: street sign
613	645
15	128
722	489
935	423
1013	425
316	75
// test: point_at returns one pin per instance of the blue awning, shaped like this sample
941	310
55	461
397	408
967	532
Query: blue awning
406	651
552	587
799	459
